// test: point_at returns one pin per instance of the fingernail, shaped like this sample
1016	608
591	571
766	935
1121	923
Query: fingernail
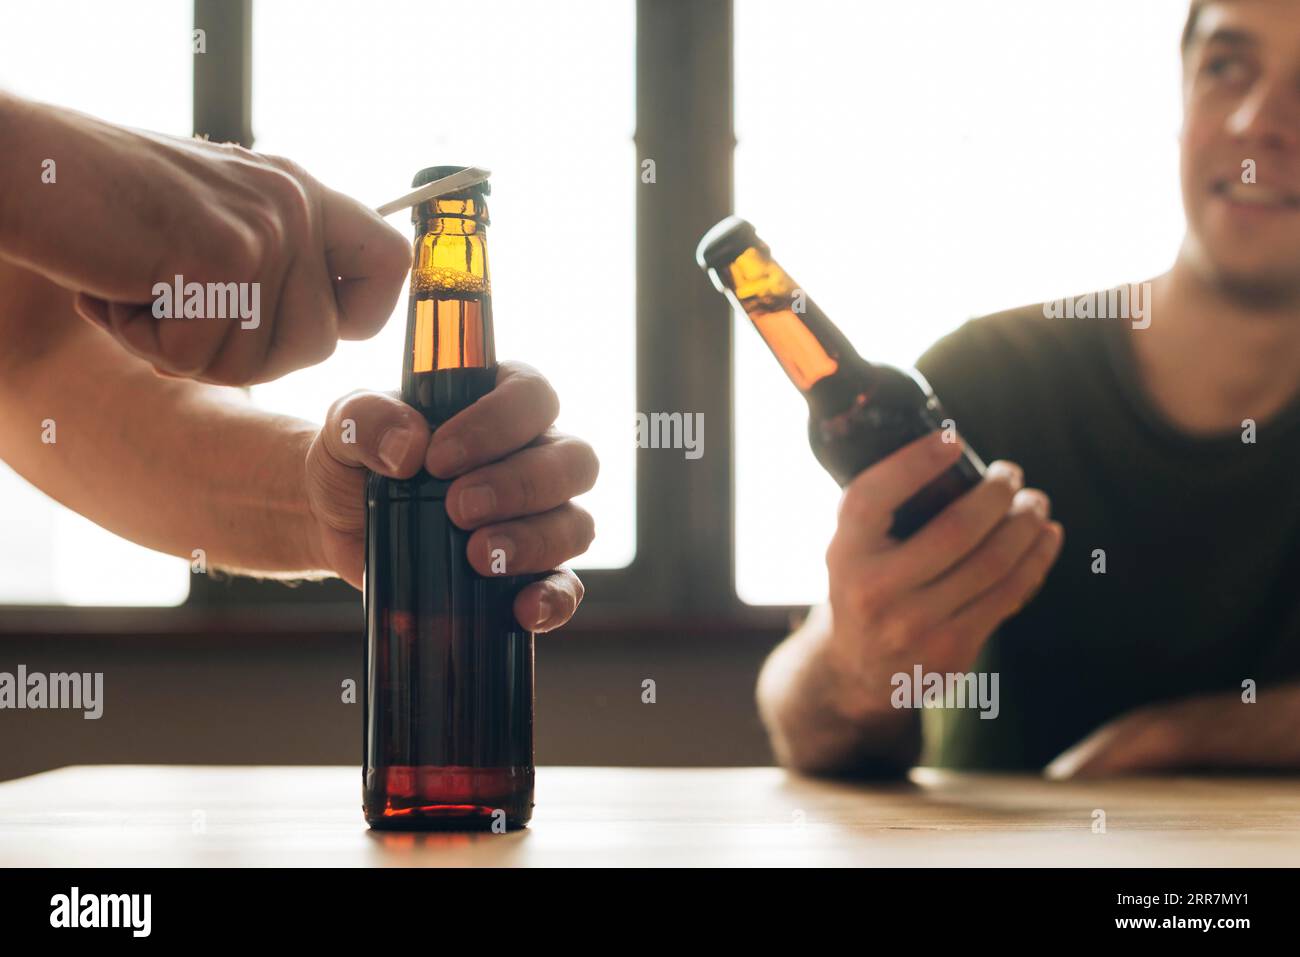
477	502
1059	769
1037	502
501	550
544	613
1011	471
393	447
445	457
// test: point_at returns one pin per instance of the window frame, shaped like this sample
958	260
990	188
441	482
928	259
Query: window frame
684	95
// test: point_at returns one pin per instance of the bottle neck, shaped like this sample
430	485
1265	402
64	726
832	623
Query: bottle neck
450	356
810	348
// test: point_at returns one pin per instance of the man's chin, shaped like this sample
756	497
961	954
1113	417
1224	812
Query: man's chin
1263	284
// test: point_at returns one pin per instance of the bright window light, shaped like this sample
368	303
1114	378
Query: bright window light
132	68
916	165
542	95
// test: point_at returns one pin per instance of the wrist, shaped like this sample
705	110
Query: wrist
308	531
848	690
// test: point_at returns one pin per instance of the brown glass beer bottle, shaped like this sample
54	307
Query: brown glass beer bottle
859	412
449	671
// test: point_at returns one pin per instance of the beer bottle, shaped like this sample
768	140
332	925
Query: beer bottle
859	412
449	671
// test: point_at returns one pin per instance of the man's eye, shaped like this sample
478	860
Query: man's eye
1226	67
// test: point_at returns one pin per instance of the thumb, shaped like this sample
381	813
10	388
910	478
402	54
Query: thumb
373	430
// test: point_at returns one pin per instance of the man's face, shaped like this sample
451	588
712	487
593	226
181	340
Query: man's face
1242	102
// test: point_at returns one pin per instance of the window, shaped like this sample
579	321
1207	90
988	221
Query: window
133	70
946	160
541	94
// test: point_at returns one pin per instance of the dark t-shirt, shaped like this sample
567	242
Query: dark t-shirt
1201	589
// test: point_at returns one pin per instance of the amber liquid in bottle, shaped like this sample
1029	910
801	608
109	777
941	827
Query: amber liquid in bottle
859	412
449	688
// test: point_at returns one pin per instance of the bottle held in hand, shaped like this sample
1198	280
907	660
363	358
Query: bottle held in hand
449	691
859	412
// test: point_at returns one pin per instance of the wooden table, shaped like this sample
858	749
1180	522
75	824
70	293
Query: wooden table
308	816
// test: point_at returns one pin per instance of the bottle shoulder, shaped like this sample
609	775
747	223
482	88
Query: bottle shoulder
856	385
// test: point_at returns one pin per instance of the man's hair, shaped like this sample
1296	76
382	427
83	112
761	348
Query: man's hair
1193	15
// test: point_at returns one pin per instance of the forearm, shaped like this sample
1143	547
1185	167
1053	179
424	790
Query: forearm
1223	731
799	700
31	136
13	120
170	464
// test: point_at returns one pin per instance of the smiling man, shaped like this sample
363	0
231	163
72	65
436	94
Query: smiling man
1165	632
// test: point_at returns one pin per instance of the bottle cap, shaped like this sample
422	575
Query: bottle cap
435	181
725	241
471	179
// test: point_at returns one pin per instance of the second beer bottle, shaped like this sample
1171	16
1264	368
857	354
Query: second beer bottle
859	412
449	690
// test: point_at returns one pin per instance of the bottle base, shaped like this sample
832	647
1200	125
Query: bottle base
448	799
445	818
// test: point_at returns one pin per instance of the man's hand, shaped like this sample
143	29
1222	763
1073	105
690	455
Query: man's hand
131	209
1145	739
935	598
932	600
513	479
1204	731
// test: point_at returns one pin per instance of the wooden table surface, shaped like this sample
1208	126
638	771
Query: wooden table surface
310	816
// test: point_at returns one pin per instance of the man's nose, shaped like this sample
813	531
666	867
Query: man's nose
1269	117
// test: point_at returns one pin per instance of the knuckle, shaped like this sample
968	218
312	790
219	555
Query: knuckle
348	406
909	626
236	245
1011	541
1002	492
542	393
831	556
990	565
266	234
852	507
279	209
1027	520
865	600
585	463
285	180
320	348
954	529
472	438
526	491
550	398
585	528
537	545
